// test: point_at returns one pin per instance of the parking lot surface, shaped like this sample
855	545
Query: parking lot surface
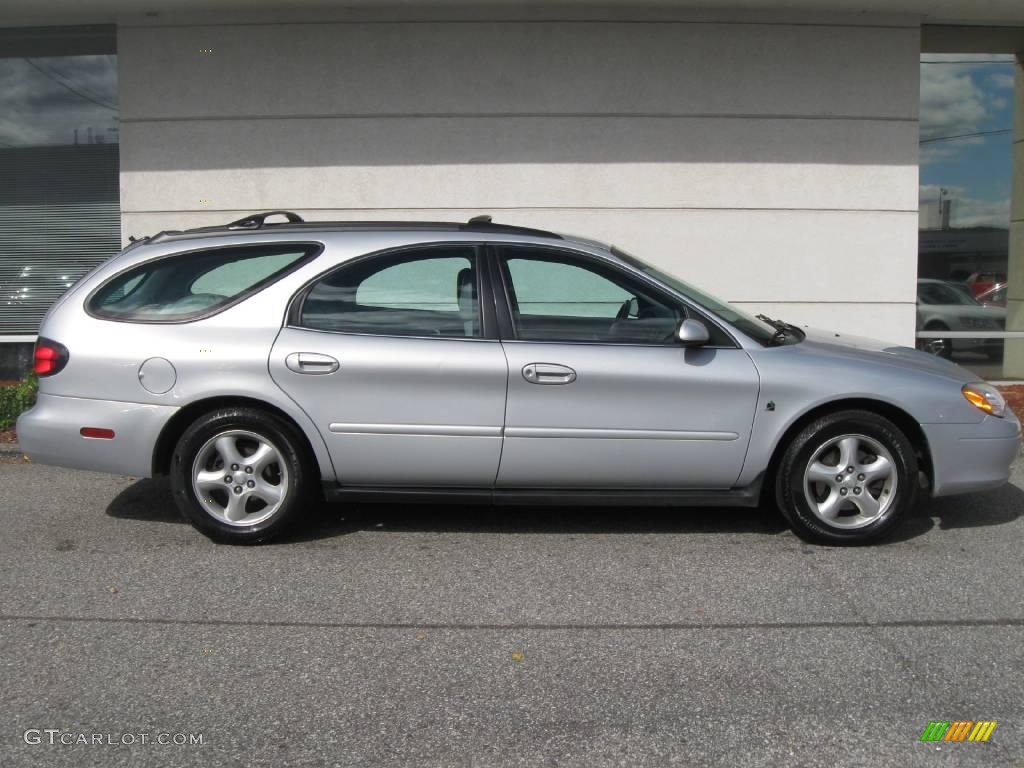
465	636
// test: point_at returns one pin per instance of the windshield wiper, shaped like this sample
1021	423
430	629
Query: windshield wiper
783	330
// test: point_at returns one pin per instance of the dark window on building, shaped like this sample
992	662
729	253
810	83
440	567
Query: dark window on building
59	200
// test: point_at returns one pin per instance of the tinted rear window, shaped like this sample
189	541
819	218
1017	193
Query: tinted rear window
195	284
429	291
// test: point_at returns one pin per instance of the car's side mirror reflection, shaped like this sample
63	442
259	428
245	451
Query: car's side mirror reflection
693	333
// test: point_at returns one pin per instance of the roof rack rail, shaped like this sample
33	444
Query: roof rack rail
485	223
259	220
296	223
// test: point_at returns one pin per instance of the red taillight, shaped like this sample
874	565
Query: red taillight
50	357
101	432
45	358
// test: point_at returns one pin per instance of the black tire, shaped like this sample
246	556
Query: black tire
792	496
296	469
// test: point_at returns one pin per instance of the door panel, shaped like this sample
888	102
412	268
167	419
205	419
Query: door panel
600	395
389	355
401	411
633	417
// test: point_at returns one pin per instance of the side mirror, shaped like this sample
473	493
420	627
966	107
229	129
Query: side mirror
693	333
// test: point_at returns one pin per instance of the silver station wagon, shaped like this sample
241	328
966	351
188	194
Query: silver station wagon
263	366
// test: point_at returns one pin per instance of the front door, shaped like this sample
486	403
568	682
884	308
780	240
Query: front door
389	357
600	393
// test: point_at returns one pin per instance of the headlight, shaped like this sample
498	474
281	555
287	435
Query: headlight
985	397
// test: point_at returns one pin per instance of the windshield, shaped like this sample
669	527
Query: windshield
753	327
945	293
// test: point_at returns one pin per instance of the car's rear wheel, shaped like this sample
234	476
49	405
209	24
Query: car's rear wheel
847	478
239	475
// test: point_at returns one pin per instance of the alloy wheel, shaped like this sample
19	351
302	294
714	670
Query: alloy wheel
240	477
850	481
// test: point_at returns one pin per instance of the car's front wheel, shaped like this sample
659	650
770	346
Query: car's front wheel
239	476
937	347
847	478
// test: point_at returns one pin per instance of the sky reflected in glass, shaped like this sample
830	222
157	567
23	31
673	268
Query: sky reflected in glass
52	101
967	135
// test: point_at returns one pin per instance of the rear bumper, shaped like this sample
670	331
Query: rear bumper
972	457
49	434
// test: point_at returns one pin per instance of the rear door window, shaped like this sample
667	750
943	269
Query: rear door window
429	291
195	284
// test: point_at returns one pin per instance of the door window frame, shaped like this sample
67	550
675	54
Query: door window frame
485	299
502	280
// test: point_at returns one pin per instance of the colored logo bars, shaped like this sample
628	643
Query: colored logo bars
958	730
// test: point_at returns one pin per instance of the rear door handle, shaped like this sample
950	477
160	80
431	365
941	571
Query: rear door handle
311	362
548	373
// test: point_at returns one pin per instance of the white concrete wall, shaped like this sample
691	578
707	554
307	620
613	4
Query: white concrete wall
775	164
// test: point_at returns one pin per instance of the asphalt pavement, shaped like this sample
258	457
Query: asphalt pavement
465	636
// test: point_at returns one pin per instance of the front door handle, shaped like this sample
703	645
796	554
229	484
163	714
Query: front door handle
311	362
548	373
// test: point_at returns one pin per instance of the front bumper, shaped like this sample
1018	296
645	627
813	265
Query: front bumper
49	434
972	457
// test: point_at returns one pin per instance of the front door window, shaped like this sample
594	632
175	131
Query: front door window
561	297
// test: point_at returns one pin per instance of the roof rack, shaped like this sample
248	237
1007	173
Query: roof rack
485	223
256	221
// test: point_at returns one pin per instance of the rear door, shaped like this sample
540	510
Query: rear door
393	358
600	393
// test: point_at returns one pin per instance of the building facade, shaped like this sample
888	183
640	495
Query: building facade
770	156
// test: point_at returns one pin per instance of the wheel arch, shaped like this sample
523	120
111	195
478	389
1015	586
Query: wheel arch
906	423
179	422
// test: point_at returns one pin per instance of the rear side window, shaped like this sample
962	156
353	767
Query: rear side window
195	284
419	292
